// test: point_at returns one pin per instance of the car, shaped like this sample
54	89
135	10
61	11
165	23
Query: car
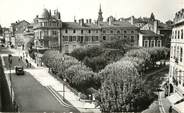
19	70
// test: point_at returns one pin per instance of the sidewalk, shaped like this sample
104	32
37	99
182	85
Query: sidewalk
44	78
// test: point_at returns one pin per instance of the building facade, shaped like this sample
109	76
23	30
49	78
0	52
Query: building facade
51	32
117	30
176	70
47	30
148	38
17	31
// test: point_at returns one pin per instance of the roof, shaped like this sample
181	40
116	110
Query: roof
118	24
148	33
77	25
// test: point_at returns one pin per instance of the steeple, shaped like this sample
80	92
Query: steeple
100	17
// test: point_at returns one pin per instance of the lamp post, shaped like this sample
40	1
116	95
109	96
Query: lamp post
10	63
64	89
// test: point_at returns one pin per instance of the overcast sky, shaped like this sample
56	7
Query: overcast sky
13	10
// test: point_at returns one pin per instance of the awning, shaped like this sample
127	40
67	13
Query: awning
174	98
179	107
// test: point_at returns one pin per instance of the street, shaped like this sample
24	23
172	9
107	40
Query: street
30	95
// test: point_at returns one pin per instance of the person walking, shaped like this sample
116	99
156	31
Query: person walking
170	109
27	63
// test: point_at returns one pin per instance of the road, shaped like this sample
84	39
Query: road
30	95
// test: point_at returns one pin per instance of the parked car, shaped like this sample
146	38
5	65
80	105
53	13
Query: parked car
19	70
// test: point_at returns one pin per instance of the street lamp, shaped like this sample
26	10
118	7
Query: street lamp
10	63
64	89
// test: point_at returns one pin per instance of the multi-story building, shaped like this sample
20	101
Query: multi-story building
79	34
117	30
17	31
47	29
7	36
148	38
160	29
51	32
176	70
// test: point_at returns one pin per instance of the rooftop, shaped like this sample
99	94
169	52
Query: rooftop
121	24
148	33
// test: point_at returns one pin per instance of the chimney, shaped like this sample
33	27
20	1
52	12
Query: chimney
87	21
155	26
75	20
132	20
90	21
81	22
110	20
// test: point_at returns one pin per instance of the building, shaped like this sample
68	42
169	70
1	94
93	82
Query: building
176	71
148	38
79	34
139	22
50	32
161	29
47	30
7	36
17	31
117	30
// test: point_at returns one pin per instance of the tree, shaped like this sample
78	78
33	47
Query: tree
119	82
121	44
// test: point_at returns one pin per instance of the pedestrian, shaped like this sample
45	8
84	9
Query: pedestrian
30	65
27	63
170	109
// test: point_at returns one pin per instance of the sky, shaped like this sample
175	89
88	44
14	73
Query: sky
13	10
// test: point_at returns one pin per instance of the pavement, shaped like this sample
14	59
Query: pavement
56	87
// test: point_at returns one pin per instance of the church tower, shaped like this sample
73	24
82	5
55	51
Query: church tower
100	17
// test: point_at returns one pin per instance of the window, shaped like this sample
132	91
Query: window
182	34
132	31
174	51
66	49
70	38
118	32
89	31
181	54
81	31
74	31
175	34
177	54
96	31
178	34
152	43
159	43
74	38
132	39
45	33
54	33
66	31
125	32
111	31
146	43
78	38
94	38
74	46
86	38
104	37
104	31
65	38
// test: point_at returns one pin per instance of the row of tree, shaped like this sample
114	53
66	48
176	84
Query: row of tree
122	85
118	85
